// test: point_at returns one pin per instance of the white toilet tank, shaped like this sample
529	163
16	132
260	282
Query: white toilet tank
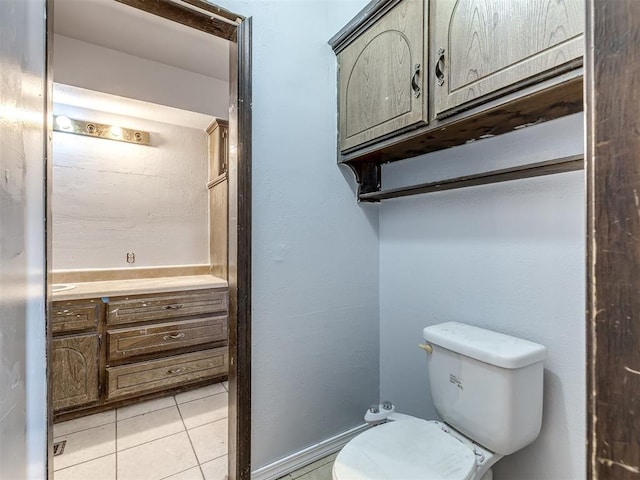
487	385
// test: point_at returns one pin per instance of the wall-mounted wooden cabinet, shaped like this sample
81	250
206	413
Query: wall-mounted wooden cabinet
415	76
381	77
485	48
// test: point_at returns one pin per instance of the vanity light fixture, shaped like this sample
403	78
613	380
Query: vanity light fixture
100	130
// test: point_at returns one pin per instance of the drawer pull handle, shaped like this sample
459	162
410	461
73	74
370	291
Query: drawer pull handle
175	306
176	370
174	337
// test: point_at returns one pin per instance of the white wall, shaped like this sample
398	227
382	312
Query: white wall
93	67
23	385
110	198
509	257
315	251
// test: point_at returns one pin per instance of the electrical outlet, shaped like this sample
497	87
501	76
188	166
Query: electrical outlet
131	257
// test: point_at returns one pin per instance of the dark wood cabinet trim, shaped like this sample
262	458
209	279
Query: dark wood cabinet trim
546	101
240	134
613	239
363	20
548	95
559	165
186	16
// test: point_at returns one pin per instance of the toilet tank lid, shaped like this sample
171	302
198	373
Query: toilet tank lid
485	345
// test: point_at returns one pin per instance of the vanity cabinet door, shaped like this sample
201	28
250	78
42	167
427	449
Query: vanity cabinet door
487	48
381	85
74	368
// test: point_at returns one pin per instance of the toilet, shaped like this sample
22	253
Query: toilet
486	387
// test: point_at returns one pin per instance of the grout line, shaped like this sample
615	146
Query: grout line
191	443
80	463
207	423
178	473
116	444
186	430
201	398
145	413
150	441
65	435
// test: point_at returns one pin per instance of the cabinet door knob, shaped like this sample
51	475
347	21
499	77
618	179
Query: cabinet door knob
440	67
414	83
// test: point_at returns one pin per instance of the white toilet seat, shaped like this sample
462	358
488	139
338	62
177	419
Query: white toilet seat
413	449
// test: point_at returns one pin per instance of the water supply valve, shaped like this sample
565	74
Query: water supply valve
379	413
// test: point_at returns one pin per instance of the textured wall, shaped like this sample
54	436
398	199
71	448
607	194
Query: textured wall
110	198
509	257
315	250
93	67
23	435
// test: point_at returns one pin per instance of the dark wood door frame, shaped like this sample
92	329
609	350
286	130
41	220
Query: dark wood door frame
612	94
237	29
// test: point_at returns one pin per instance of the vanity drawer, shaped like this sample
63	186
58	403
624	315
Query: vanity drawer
163	306
143	340
144	377
74	316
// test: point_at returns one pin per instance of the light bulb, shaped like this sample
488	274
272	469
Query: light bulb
63	122
116	131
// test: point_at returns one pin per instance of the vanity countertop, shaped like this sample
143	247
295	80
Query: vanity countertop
112	288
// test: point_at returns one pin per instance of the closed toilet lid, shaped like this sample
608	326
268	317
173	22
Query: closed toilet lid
405	450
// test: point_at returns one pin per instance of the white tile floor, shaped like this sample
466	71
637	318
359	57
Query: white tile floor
181	437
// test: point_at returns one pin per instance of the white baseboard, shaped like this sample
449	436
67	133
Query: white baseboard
304	457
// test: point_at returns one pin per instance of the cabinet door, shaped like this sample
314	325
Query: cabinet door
74	368
218	133
485	48
381	77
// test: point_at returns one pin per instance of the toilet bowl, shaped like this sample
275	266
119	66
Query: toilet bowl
410	448
486	386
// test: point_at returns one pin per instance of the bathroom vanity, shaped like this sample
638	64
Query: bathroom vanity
116	342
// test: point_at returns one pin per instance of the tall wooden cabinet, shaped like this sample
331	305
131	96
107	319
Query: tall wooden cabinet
484	48
381	77
218	186
218	133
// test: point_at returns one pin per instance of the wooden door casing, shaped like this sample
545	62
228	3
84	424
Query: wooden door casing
486	48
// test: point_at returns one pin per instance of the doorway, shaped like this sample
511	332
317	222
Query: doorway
208	18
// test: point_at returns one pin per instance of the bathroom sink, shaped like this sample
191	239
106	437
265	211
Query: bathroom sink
61	287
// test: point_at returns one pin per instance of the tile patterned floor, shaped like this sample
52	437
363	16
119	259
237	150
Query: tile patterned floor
318	470
181	437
